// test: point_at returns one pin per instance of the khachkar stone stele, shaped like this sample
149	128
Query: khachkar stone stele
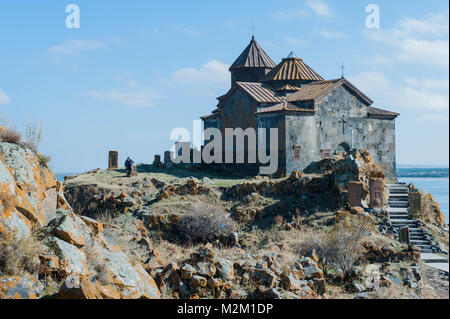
113	160
376	189
355	192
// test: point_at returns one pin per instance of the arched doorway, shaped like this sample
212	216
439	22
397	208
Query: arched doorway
343	148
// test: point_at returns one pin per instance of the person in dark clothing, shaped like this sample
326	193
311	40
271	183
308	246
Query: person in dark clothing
128	165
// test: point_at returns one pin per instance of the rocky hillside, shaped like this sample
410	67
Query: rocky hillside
47	250
203	235
176	233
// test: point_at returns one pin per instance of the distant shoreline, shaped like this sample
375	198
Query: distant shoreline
423	172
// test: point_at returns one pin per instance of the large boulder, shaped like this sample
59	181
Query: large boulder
70	228
71	260
29	191
132	279
20	287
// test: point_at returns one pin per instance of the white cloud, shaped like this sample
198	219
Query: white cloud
213	71
422	98
437	84
207	80
289	15
133	95
433	52
69	53
432	118
372	83
4	99
413	40
412	93
72	47
320	8
433	24
328	34
295	41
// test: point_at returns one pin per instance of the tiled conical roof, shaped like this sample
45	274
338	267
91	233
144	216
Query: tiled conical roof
292	68
253	57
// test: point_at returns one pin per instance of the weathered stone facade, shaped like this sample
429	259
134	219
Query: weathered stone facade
314	117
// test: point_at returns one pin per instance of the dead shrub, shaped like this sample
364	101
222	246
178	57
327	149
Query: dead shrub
10	135
343	244
339	248
33	135
205	222
278	220
19	255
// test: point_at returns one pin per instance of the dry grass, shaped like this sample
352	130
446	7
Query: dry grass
171	252
8	201
10	135
33	135
95	258
19	255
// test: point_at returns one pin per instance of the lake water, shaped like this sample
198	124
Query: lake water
438	187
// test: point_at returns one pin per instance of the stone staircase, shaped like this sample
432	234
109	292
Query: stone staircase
399	213
399	216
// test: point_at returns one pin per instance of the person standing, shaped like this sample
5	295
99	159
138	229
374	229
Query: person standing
129	165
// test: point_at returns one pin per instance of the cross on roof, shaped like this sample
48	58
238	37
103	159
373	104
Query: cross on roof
252	28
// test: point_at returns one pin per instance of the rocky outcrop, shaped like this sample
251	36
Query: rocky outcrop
352	166
76	251
90	263
204	274
29	192
20	287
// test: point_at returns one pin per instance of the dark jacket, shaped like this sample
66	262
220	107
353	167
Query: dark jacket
129	163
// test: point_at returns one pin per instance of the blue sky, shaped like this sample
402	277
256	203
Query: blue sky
135	70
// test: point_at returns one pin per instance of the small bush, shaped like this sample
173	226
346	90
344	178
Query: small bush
44	160
19	255
205	222
10	135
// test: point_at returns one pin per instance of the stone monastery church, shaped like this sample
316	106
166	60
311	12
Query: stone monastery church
315	117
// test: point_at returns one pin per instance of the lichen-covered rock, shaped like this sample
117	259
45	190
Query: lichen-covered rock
78	287
134	282
312	272
69	227
225	268
20	287
28	193
71	259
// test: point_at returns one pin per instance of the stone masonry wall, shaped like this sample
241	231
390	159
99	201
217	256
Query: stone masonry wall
326	131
